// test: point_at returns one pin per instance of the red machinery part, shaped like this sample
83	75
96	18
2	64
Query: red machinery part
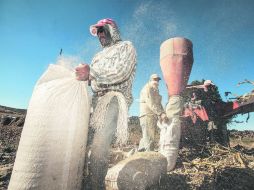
196	113
176	60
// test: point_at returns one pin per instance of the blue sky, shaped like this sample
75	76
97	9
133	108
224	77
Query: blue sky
32	32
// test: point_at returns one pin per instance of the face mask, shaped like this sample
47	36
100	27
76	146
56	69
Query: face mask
104	36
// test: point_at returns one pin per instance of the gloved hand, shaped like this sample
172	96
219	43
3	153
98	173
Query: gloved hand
163	118
82	72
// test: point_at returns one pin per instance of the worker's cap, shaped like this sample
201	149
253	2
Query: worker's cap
100	23
208	82
155	76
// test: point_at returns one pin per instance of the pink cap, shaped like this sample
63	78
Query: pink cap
93	28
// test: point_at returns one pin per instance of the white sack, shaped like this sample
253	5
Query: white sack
169	141
51	152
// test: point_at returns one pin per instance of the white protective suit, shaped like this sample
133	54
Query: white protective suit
112	71
150	109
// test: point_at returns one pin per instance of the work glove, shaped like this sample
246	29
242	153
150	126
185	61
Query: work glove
163	118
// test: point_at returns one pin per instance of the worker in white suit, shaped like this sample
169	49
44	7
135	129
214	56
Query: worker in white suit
151	110
111	74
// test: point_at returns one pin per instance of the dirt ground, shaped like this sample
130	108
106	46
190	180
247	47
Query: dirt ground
208	166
